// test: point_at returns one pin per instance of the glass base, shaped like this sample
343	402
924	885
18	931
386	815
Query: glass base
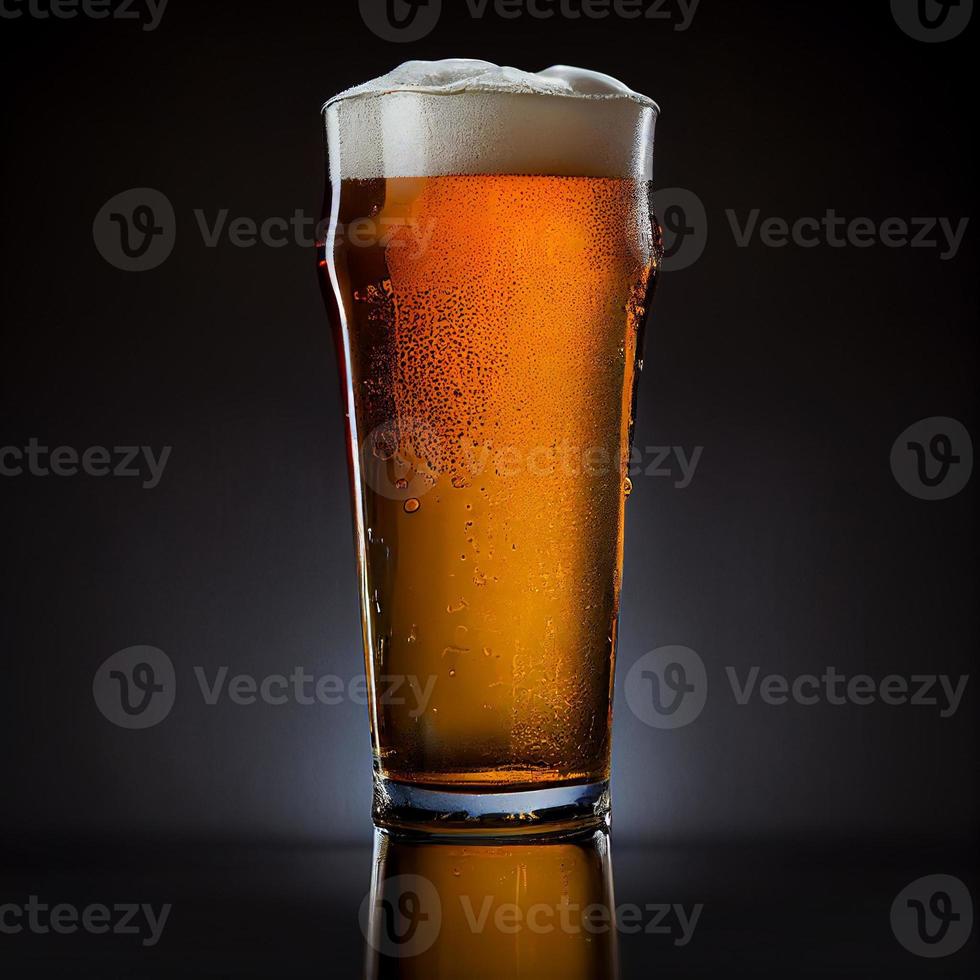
450	813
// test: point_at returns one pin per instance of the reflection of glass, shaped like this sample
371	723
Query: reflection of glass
490	256
496	911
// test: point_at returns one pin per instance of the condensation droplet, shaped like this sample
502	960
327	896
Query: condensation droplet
628	486
412	505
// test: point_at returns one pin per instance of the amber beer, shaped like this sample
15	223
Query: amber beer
512	910
489	302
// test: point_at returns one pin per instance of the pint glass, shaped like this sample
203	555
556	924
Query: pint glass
490	256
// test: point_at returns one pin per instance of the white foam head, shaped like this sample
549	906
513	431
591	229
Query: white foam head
458	116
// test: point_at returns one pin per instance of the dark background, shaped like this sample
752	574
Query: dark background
794	548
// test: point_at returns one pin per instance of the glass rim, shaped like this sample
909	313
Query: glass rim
641	100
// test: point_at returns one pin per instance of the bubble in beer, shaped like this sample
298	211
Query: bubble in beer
627	486
412	505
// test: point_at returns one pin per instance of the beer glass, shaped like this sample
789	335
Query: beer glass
490	256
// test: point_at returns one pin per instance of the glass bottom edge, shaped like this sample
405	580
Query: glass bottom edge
548	811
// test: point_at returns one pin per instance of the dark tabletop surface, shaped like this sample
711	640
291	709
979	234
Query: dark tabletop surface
710	909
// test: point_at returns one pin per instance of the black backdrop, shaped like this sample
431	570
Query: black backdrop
794	369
